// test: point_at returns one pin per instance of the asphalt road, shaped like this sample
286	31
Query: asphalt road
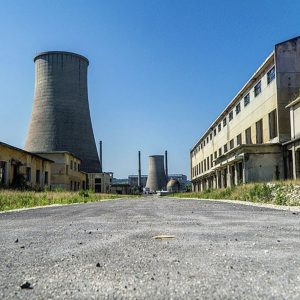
220	251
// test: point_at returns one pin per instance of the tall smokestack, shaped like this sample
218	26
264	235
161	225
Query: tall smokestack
156	180
166	165
139	173
100	156
60	119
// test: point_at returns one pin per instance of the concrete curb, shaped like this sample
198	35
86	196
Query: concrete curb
58	205
265	205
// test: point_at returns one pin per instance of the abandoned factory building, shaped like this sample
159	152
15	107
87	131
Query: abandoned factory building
256	137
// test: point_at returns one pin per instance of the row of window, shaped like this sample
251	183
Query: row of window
37	176
74	165
75	186
257	91
208	162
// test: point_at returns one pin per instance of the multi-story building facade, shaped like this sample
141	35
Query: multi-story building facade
245	142
66	173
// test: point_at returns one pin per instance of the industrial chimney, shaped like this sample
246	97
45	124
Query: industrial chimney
139	173
166	165
60	119
156	173
100	156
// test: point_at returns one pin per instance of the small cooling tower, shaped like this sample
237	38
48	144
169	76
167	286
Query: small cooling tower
60	119
156	173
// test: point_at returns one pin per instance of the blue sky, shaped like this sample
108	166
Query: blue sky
160	71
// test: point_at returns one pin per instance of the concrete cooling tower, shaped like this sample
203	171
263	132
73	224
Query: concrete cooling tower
156	173
60	119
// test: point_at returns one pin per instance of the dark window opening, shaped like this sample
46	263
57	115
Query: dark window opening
259	132
38	176
246	100
248	136
273	124
257	89
271	75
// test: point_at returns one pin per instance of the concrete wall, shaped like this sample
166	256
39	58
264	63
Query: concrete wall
288	81
60	119
264	167
66	172
105	184
156	180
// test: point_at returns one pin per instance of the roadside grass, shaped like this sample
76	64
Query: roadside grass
277	192
13	199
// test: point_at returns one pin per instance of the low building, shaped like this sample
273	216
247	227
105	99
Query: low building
66	172
121	188
246	141
133	180
293	145
21	169
100	182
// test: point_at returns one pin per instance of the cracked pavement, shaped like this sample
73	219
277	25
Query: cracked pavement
106	250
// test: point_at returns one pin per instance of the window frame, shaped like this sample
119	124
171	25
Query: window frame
257	89
271	71
246	99
238	108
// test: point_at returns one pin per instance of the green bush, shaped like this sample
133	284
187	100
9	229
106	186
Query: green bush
274	193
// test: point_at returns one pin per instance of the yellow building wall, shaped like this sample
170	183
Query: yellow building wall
62	173
24	160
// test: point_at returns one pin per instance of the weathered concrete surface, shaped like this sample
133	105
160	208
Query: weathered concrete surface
157	179
60	119
221	250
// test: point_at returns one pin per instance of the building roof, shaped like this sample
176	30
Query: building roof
293	103
25	152
57	152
